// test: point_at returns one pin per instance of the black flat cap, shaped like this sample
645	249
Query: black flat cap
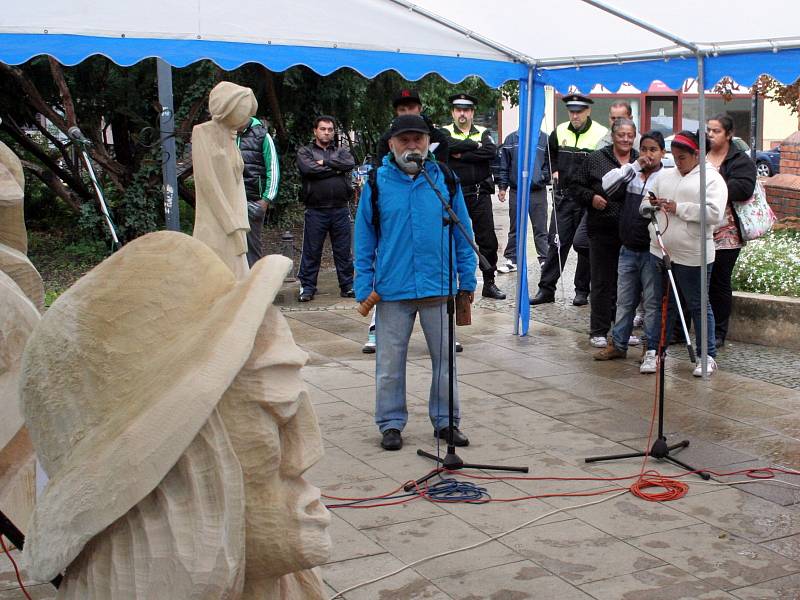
408	123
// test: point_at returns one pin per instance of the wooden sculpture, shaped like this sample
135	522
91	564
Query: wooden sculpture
165	402
21	299
221	205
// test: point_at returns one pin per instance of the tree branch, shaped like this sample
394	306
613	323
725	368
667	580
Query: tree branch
54	183
66	96
46	160
275	107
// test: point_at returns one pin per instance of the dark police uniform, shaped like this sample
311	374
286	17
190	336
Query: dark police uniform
568	149
476	152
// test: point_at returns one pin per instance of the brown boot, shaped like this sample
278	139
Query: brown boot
610	353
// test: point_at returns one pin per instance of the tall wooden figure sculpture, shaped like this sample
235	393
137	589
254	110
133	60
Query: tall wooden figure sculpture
21	299
165	402
221	205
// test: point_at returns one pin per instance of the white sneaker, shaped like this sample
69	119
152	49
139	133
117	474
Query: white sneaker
698	370
634	340
598	342
649	363
507	267
638	320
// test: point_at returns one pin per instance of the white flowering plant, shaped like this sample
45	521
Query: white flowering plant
770	265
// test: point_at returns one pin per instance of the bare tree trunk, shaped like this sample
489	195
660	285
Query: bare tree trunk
275	108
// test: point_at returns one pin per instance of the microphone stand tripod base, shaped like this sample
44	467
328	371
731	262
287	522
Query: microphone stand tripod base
451	461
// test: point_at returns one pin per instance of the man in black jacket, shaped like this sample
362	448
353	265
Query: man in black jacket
327	189
472	152
408	102
537	209
261	176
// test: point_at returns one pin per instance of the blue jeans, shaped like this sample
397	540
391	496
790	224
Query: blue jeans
688	281
636	277
394	322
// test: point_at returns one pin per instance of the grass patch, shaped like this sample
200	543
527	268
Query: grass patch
62	261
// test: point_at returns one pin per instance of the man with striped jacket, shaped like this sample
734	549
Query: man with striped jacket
261	176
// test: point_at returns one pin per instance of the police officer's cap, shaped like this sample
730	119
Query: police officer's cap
577	101
408	123
406	96
463	101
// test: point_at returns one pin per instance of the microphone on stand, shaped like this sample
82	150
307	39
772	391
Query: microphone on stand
648	211
415	157
76	135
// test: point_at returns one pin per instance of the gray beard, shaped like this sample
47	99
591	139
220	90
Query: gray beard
407	166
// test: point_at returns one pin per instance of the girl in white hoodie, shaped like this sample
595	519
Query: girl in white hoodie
677	194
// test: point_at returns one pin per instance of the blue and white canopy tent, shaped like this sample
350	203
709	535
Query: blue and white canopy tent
567	43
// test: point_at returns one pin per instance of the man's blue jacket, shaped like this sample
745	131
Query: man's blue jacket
408	257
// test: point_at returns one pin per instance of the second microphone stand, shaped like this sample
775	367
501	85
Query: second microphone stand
660	449
452	461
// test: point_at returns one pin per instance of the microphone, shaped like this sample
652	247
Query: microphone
415	157
648	211
76	135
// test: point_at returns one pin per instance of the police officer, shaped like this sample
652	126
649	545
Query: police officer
408	102
472	152
569	145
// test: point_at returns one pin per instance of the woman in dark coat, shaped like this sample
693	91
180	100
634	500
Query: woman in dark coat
602	224
739	173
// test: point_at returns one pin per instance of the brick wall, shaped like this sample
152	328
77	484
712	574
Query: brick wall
783	190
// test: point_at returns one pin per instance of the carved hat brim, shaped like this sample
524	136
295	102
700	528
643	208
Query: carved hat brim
122	373
18	318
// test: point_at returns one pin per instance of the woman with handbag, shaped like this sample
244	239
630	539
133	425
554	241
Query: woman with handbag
739	173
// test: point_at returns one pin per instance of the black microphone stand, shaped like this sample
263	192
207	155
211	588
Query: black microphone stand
661	450
452	461
16	537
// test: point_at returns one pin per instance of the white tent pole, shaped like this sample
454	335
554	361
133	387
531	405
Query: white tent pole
510	52
701	109
639	23
522	207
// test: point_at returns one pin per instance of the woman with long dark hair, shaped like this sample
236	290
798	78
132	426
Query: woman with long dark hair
677	196
739	173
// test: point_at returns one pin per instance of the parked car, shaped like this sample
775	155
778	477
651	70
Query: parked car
768	162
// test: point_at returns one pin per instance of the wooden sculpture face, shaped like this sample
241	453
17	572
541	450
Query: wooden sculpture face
276	438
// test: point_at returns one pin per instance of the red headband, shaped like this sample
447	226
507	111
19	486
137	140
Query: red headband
682	140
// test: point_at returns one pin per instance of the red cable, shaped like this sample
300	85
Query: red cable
16	568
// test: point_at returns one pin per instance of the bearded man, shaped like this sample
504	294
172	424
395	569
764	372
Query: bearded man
402	254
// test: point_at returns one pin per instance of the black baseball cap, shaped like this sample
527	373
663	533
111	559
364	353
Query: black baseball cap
406	96
407	123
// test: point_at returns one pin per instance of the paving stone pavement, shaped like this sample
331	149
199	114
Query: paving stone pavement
542	402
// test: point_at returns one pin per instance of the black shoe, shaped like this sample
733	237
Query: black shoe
305	296
542	298
580	299
459	347
347	293
490	290
392	440
459	439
